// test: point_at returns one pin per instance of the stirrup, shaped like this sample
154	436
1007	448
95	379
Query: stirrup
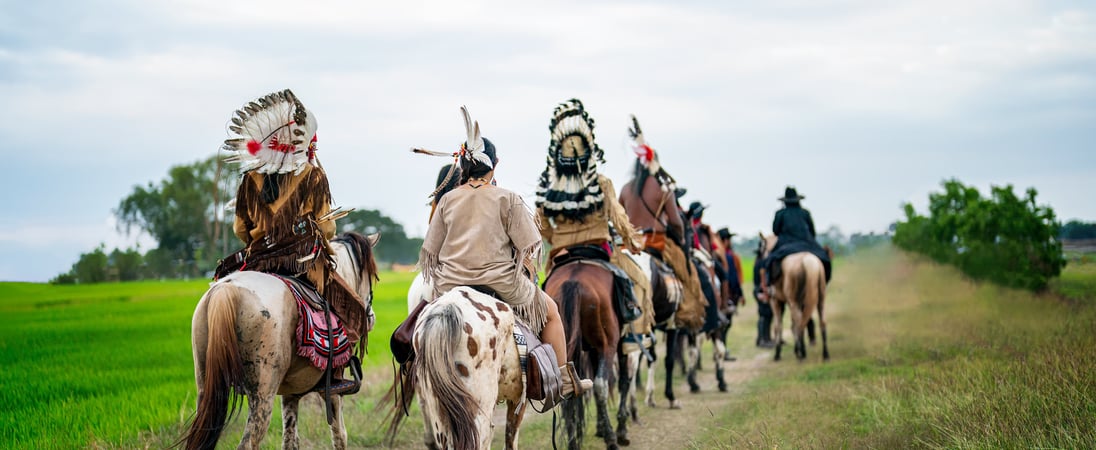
341	386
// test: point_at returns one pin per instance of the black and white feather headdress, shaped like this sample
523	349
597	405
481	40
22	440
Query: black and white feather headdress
568	186
273	134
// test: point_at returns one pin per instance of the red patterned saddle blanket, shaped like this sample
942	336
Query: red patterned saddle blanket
318	339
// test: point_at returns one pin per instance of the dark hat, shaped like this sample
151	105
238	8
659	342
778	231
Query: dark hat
696	209
679	192
791	196
725	233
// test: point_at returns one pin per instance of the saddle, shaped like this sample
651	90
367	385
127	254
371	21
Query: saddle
624	301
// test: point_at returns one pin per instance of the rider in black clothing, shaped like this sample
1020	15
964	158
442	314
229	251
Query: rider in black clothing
794	229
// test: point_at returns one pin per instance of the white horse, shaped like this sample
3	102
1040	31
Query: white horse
243	336
466	361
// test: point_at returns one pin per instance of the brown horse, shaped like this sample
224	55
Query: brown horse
584	292
802	285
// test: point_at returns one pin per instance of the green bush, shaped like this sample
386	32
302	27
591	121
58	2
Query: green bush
1006	239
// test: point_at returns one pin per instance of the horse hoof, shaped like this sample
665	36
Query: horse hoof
694	388
651	402
623	441
676	404
722	387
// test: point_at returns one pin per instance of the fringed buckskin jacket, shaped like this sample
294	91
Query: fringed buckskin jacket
485	236
299	197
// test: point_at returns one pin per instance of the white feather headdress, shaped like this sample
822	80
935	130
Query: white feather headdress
273	134
473	147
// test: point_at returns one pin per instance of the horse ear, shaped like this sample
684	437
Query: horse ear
761	235
373	239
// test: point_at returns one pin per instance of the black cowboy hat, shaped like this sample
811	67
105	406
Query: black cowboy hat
790	195
680	192
725	233
696	209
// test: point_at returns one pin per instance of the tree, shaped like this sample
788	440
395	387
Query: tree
183	213
1076	229
91	267
394	246
127	264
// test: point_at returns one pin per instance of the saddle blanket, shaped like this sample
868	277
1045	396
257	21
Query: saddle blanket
313	330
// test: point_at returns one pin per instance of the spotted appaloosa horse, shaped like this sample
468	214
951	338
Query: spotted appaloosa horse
244	343
466	361
584	292
802	285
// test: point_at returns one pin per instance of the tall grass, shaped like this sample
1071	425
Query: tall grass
925	358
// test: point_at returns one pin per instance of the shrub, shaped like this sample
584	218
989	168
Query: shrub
1006	239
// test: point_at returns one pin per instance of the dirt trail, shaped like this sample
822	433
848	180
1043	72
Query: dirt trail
664	428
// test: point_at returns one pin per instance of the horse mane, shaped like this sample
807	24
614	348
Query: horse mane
367	264
640	174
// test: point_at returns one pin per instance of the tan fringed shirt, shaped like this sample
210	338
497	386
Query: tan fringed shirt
483	236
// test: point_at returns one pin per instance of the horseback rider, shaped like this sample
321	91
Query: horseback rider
283	209
795	232
484	236
662	225
579	211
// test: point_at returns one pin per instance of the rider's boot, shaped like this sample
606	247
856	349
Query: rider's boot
568	375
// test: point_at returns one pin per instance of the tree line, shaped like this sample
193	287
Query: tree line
1004	238
185	214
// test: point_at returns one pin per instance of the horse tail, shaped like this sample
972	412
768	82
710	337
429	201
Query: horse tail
435	371
570	293
222	383
814	275
799	284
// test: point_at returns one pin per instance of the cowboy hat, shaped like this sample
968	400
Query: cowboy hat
696	209
725	233
790	195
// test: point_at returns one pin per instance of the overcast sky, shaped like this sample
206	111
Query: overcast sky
861	104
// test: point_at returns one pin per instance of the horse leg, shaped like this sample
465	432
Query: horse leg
626	389
799	325
810	329
515	412
671	354
822	324
574	420
650	386
601	401
679	354
338	429
260	406
428	438
778	327
694	362
290	439
719	350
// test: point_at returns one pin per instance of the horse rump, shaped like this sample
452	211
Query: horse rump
220	373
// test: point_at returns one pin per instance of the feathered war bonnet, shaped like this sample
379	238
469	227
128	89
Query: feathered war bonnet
273	134
568	186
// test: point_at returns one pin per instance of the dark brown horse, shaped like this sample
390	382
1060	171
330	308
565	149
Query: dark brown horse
584	292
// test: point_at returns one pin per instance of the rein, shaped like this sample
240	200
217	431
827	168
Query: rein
657	215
